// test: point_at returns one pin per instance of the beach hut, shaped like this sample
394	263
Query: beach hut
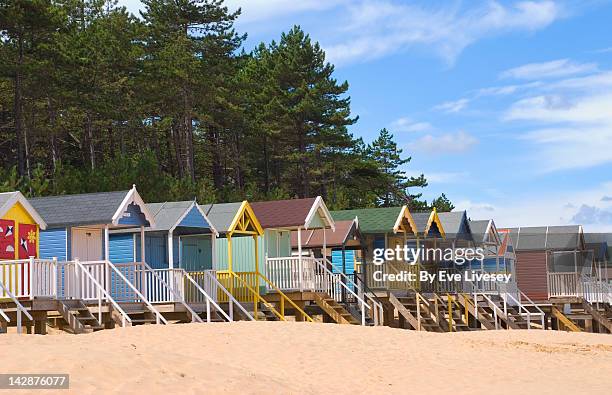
344	245
382	227
20	225
549	259
278	219
78	226
183	238
486	236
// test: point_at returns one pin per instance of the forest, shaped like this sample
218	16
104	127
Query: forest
93	98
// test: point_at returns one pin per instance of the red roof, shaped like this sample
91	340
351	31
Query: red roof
282	213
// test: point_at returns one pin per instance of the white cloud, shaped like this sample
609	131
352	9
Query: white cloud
552	208
446	177
452	106
505	90
552	69
377	28
592	215
580	135
262	10
405	124
452	143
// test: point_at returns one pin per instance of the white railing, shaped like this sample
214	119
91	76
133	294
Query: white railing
596	291
84	271
510	295
159	294
205	282
157	286
291	273
28	278
333	285
130	291
564	284
209	300
18	306
4	316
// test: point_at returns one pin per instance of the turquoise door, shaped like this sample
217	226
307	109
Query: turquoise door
196	253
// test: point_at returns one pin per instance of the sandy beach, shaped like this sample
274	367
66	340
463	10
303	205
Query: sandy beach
272	357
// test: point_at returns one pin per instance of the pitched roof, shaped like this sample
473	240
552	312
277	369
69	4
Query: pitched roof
221	214
428	224
169	214
291	213
479	229
378	219
455	225
313	238
9	199
87	208
547	238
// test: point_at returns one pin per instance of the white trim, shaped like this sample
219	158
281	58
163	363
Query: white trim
319	204
133	197
182	217
17	197
170	249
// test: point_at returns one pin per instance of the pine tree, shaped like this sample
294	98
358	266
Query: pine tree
395	188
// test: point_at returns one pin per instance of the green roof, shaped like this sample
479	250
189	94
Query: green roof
371	220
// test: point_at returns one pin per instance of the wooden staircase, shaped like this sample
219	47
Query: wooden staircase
564	321
602	316
139	313
337	312
77	317
451	313
419	317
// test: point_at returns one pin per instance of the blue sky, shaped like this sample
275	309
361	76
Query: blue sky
506	106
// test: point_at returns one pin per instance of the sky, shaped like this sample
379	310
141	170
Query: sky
505	106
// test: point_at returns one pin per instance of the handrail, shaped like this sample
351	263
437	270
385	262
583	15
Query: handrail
158	315
282	295
360	300
531	303
19	307
209	300
3	315
176	294
124	316
366	291
258	296
231	298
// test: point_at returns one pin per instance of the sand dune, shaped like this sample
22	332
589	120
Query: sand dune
272	357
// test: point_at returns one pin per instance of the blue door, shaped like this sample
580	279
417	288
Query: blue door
196	253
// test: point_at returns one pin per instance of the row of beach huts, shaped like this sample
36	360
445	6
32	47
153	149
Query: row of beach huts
82	263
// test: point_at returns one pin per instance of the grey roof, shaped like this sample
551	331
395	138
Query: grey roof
452	223
547	238
168	213
479	228
420	220
221	214
5	197
84	209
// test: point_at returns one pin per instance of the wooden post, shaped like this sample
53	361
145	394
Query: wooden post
143	259
300	274
256	274
106	243
170	251
229	263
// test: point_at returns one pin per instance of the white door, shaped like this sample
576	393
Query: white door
87	244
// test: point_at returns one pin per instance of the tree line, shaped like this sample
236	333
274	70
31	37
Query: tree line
93	98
